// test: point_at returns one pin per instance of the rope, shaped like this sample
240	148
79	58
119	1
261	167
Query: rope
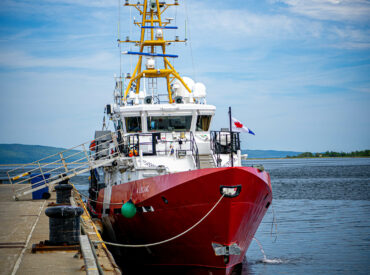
86	197
170	239
274	221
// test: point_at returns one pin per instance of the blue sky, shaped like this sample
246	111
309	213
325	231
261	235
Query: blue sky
297	72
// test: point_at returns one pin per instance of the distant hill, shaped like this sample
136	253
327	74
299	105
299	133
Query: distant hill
332	154
269	153
20	153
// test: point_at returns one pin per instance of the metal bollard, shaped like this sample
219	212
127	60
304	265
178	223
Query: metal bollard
63	193
64	224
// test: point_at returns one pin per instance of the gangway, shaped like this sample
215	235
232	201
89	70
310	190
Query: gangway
66	164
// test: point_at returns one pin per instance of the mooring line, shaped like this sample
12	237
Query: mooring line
168	240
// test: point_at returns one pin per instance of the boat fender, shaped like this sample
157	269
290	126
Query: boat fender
128	209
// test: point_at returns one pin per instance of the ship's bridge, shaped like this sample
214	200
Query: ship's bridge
146	118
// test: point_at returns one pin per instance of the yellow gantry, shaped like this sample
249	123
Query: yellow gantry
151	11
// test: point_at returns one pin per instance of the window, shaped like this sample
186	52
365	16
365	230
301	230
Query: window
133	124
203	123
169	123
120	125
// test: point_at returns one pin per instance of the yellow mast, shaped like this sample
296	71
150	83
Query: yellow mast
151	11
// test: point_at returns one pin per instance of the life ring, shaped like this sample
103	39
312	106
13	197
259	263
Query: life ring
92	145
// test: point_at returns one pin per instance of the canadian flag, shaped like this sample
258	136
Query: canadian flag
239	127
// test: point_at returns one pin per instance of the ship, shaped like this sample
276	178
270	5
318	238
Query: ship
175	193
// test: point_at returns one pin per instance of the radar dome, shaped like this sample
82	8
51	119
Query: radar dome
199	90
179	90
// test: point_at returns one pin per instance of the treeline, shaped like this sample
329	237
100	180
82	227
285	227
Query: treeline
332	154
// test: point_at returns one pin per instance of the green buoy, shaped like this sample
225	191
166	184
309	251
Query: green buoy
128	210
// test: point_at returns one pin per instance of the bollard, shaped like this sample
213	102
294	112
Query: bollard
64	224
65	181
63	193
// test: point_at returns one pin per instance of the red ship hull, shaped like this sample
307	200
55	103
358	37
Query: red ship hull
175	202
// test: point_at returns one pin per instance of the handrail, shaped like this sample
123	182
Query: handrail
213	149
221	144
195	150
107	148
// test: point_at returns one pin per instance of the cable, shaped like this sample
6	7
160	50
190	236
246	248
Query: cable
168	240
86	197
119	39
191	49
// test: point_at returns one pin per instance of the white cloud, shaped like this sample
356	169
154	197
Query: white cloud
20	59
234	28
334	10
40	3
228	28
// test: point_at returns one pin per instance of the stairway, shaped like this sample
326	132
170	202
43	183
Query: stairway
206	161
64	165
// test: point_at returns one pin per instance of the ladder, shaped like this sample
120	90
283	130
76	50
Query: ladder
66	164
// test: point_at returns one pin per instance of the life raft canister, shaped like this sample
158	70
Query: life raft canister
92	145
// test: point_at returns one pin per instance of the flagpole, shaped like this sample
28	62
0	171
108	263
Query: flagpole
231	140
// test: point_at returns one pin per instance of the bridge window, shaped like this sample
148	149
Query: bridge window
203	123
133	124
169	123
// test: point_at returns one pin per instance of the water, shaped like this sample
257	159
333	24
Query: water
322	207
322	210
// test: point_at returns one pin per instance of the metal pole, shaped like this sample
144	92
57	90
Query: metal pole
231	140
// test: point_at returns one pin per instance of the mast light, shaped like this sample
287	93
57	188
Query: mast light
159	33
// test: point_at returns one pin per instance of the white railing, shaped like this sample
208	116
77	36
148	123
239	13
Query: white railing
82	158
64	165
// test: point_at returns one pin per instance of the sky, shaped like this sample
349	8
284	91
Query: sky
297	72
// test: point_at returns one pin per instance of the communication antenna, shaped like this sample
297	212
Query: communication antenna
191	49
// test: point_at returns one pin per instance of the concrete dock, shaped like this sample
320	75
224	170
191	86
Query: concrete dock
24	223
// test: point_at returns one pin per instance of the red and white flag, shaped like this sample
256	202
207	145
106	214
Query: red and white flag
239	127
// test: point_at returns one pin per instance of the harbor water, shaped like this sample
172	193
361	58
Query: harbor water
322	218
319	221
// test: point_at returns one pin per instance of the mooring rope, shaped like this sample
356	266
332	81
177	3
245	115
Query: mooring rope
86	197
168	240
274	222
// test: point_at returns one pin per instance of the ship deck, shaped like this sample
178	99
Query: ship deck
24	223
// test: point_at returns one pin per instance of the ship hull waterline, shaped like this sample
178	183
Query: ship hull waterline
170	204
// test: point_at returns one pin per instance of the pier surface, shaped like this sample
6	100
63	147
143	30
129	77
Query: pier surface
24	223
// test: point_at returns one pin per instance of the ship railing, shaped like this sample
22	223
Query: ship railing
62	166
194	150
104	150
159	144
221	143
155	99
